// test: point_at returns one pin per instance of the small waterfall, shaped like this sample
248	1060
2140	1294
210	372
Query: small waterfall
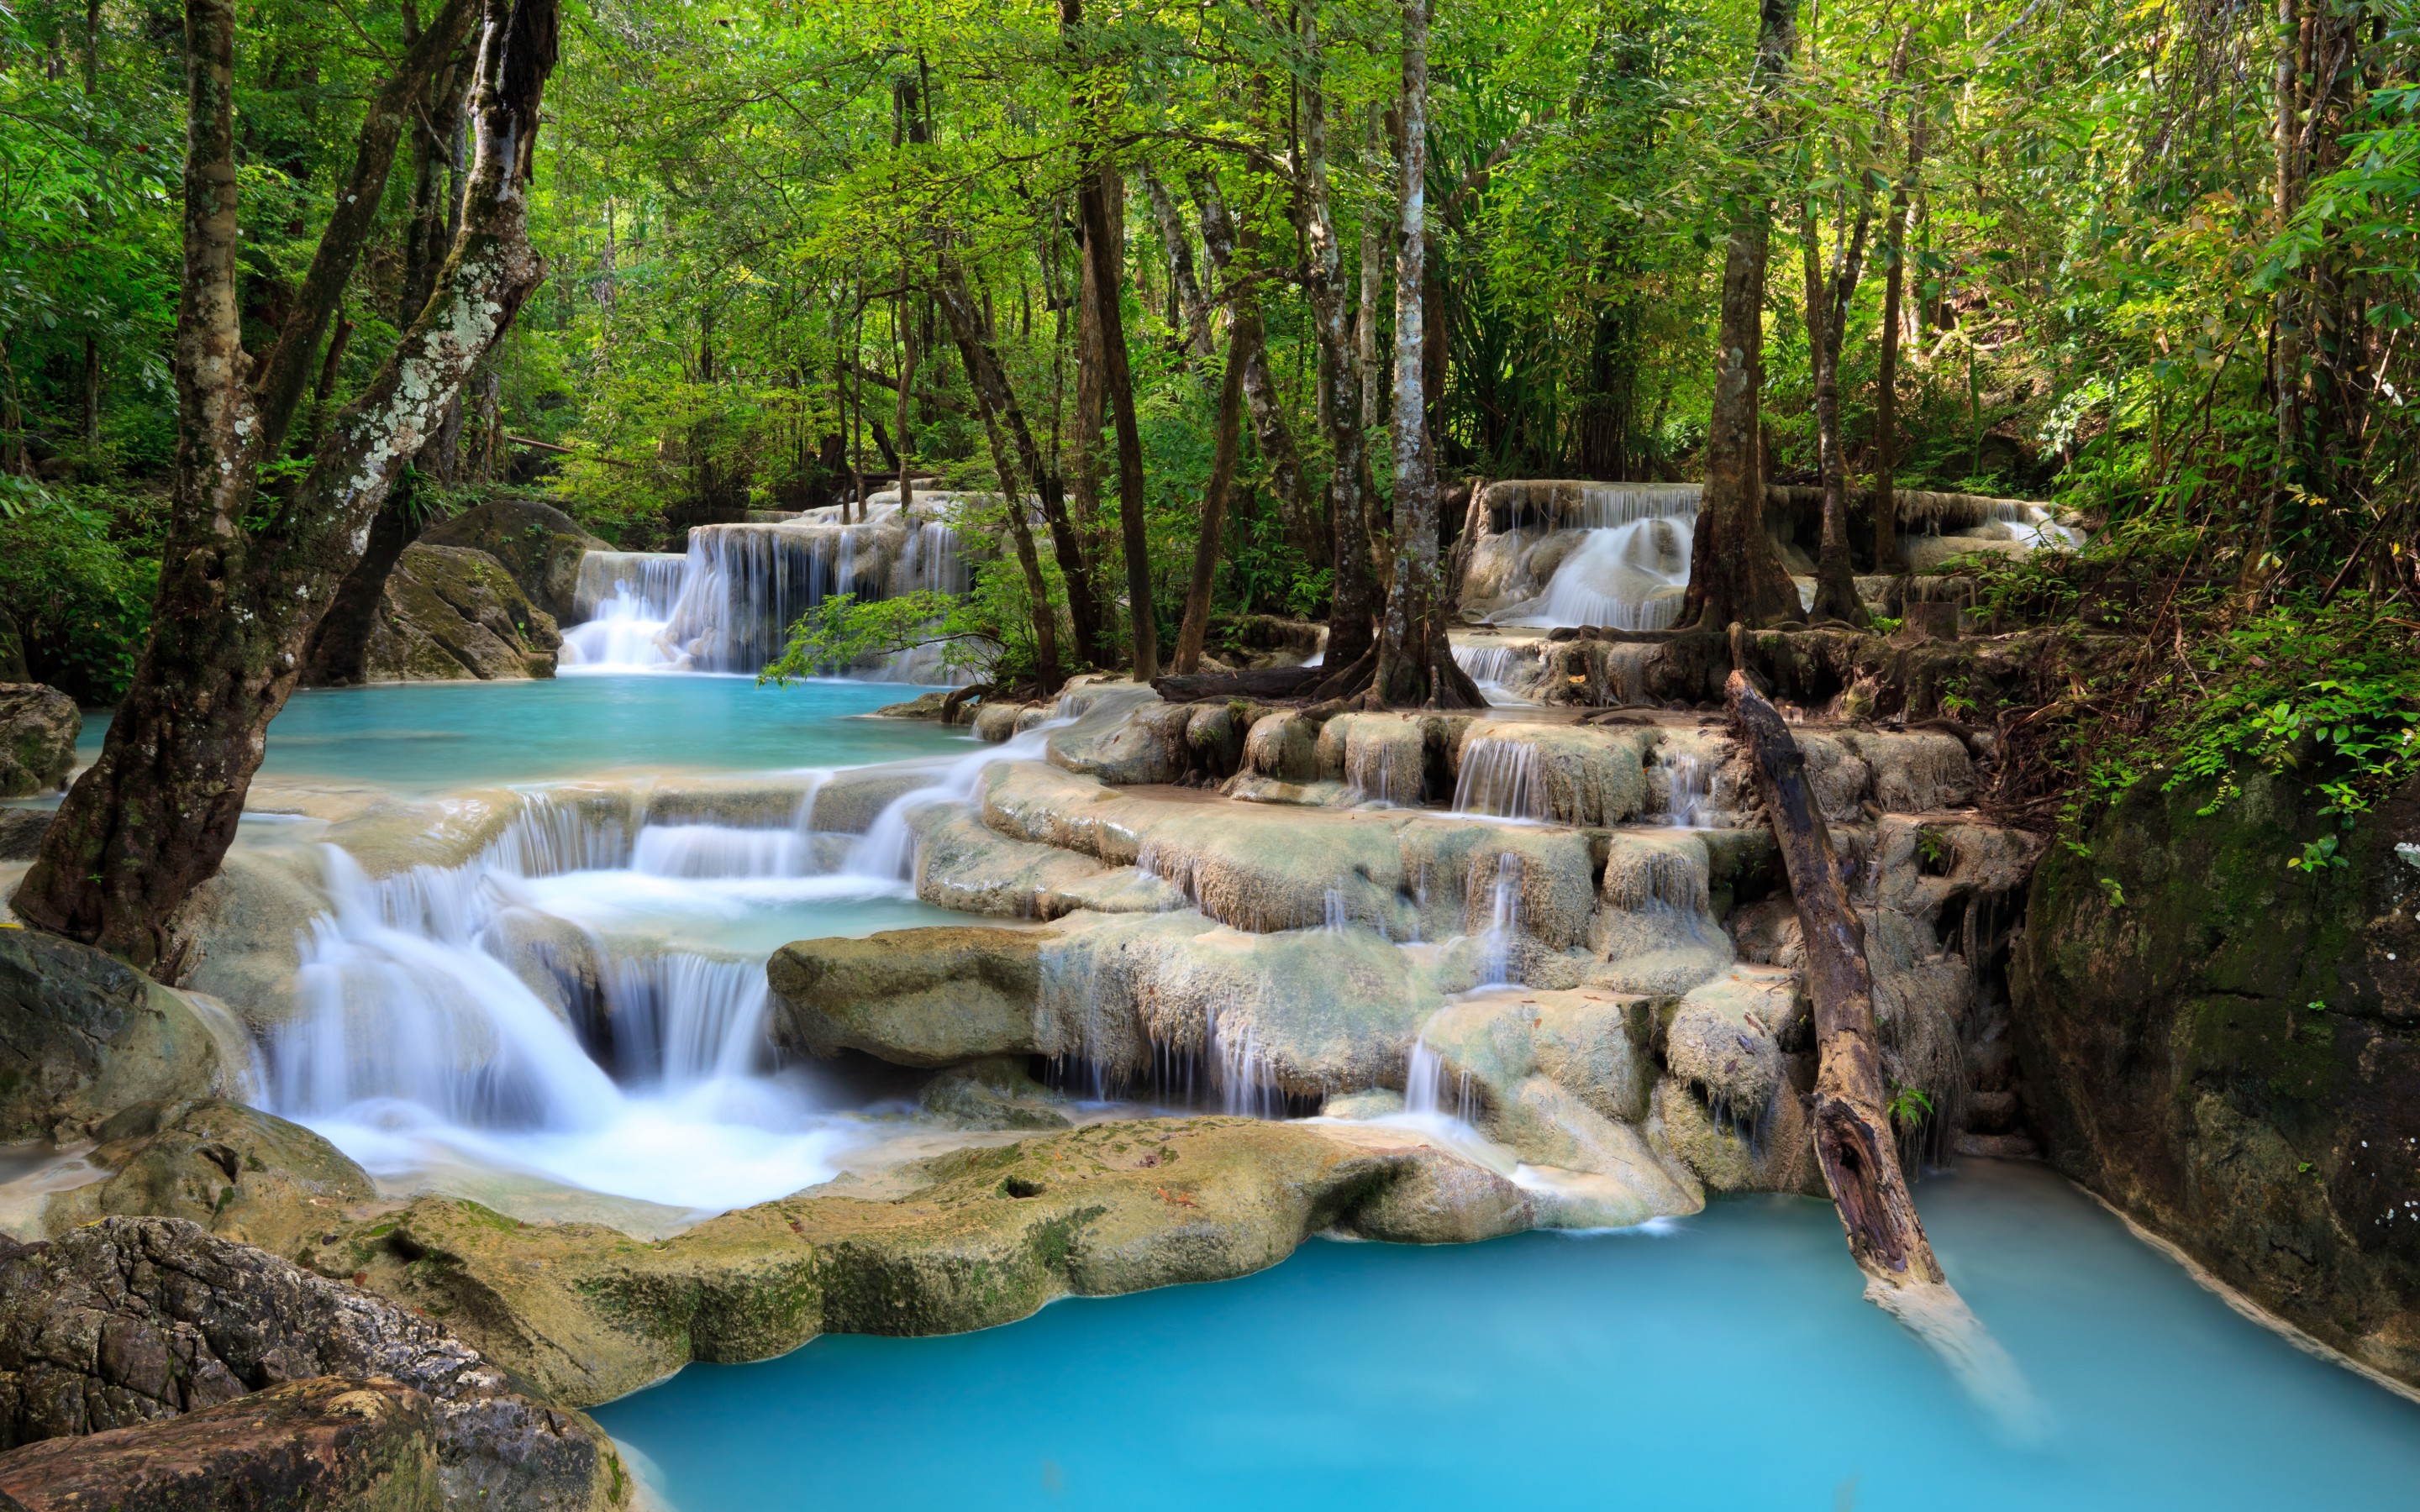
1494	667
935	564
1424	1088
1693	792
1500	778
1504	925
680	1019
887	850
1336	918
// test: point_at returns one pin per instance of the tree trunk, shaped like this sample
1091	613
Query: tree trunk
1353	603
1227	442
1182	283
1416	665
154	816
1735	573
989	379
1365	324
1853	1140
906	328
1827	305
1102	244
339	646
1235	254
1037	590
1092	408
1886	549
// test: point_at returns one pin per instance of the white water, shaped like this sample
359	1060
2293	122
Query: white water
1499	779
1621	576
513	1013
727	603
1504	922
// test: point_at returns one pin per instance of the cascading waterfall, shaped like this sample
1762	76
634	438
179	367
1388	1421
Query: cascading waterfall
1424	1089
1504	924
1693	790
1499	779
478	1013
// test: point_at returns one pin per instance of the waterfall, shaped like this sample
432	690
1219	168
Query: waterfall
1424	1088
1504	925
1500	778
887	851
1693	792
481	1013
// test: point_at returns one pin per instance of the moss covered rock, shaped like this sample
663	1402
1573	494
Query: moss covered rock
84	1035
236	1171
455	614
537	544
39	726
2229	1049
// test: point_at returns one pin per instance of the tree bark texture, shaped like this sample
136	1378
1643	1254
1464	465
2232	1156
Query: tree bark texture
1182	281
1103	242
1092	410
1853	1141
154	816
1353	603
1827	320
339	646
1416	665
1227	444
1038	592
1234	255
1886	548
988	377
1735	573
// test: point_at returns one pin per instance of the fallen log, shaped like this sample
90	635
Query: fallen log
1852	1134
1266	683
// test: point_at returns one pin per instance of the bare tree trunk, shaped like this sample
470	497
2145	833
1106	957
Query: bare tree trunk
990	378
1886	549
984	377
1093	205
1735	573
1853	1141
339	648
906	328
1827	308
1092	410
1353	604
1416	665
1235	256
1183	282
1227	442
1365	326
154	816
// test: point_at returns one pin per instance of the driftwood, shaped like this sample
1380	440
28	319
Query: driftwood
1853	1132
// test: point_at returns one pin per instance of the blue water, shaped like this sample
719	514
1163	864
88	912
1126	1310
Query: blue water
1727	1362
436	735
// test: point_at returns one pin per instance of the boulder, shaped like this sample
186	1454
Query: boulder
964	864
2228	1049
914	998
21	831
248	922
1572	774
537	544
39	726
132	1322
84	1035
993	1094
1443	1200
234	1170
849	803
325	1444
454	614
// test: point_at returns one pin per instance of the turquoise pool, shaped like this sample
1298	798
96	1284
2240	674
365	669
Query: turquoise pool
1726	1362
435	735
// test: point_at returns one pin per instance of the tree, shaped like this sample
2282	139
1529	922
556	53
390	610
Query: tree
248	568
1887	552
1734	574
1416	664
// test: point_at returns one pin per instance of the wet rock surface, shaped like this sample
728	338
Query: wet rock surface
234	1170
83	1035
39	726
454	614
2229	1049
134	1323
537	544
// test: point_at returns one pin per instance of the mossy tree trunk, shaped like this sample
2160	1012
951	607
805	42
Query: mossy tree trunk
245	574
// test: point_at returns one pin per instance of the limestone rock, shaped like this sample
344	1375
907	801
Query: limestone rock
995	722
1579	774
237	1171
1442	1200
325	1444
84	1035
914	998
2229	1049
987	1236
537	544
39	726
248	922
134	1322
993	1094
850	802
964	864
1124	735
451	613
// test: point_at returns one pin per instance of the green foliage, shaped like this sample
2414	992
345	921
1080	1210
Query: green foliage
77	570
841	631
1910	1107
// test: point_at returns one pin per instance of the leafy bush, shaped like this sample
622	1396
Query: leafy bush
77	574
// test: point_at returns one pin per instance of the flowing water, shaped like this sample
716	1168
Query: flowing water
1686	1366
